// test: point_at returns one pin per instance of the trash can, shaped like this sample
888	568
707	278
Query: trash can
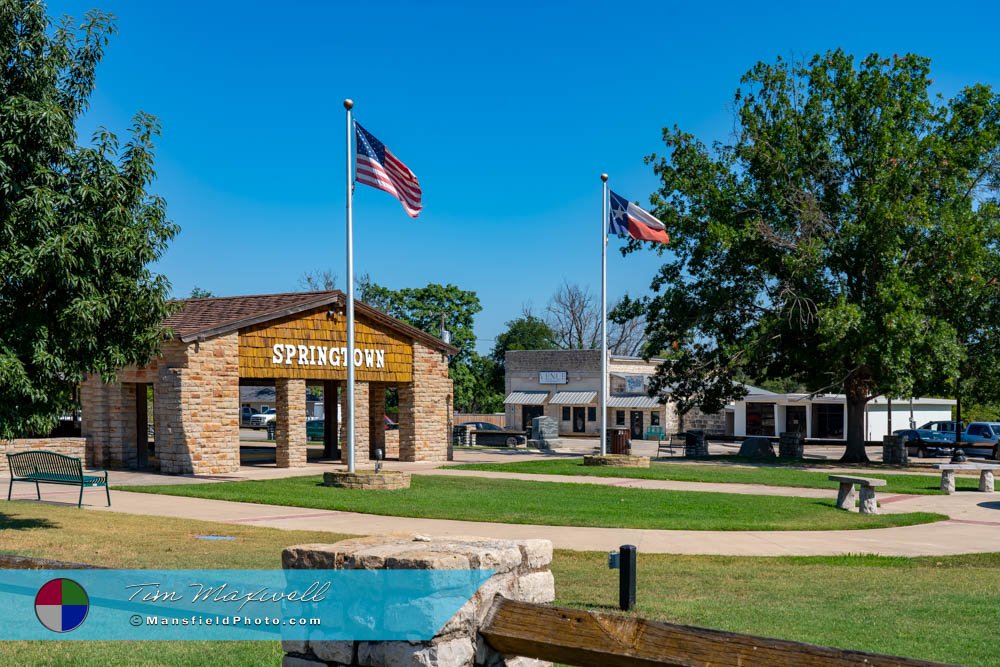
618	441
695	444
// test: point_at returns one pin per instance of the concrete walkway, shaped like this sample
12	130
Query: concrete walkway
974	524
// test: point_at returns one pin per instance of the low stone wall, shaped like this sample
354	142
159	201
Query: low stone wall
75	447
392	444
616	461
521	573
385	480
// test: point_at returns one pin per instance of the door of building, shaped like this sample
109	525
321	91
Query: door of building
579	420
795	419
528	413
142	443
636	421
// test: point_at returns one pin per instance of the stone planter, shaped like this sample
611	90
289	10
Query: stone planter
617	461
368	480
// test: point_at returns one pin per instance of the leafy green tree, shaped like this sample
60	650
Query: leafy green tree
423	307
199	293
524	333
846	238
78	227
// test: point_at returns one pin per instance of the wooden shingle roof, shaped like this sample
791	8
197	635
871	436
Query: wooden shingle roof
198	319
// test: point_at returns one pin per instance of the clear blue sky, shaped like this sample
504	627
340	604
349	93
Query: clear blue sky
507	113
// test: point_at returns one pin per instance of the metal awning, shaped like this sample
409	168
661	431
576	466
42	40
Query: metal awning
526	398
640	402
574	398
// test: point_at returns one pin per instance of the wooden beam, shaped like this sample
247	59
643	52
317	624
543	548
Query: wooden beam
593	639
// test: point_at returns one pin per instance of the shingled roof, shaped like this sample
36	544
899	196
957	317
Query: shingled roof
198	319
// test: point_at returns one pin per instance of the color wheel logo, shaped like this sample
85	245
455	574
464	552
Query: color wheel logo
61	605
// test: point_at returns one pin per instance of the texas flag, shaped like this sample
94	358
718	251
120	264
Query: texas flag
627	218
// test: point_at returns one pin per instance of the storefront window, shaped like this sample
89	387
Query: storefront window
565	414
619	417
760	419
828	421
592	414
654	418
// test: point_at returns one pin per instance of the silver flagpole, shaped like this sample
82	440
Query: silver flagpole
349	436
604	315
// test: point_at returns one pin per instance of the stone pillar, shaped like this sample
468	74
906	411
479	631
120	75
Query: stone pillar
868	503
424	407
361	425
94	420
845	496
521	573
986	481
376	418
290	423
948	481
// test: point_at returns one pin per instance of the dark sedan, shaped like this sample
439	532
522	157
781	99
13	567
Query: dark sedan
924	443
491	435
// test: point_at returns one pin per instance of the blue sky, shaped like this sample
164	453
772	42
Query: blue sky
507	112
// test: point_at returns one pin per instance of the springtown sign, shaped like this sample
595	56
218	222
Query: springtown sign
320	355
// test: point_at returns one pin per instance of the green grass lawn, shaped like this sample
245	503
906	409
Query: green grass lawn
554	504
743	473
930	608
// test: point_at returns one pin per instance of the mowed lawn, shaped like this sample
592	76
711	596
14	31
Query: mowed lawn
930	608
728	473
552	504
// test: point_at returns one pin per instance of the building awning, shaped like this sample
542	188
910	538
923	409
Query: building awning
640	402
526	398
573	398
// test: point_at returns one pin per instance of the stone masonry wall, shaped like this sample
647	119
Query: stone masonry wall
361	422
521	573
425	408
197	408
290	423
75	447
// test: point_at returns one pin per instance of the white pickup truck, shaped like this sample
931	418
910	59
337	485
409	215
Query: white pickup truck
262	419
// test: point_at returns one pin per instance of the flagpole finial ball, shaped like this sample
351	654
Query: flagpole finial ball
604	177
348	104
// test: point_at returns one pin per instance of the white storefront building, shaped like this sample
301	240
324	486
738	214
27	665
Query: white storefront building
824	416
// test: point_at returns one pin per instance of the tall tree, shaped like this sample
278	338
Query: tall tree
574	315
832	241
424	307
320	280
524	333
200	293
78	226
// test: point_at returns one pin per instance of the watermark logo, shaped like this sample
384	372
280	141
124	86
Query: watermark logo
61	605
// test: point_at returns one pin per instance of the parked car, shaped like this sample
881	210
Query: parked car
488	434
983	439
482	426
263	418
978	439
246	414
315	429
924	442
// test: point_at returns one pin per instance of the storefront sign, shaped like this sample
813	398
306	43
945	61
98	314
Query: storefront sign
635	384
320	355
552	377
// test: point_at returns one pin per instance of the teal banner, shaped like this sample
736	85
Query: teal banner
149	605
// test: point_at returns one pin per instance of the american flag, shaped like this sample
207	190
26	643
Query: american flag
379	168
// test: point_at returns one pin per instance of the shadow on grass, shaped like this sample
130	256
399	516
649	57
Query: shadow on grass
8	522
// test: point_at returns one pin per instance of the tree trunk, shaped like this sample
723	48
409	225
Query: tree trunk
855	452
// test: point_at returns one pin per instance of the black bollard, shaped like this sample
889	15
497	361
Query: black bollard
626	581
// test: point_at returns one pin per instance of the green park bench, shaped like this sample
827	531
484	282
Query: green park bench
655	433
50	468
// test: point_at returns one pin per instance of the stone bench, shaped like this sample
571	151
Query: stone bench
985	475
845	496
